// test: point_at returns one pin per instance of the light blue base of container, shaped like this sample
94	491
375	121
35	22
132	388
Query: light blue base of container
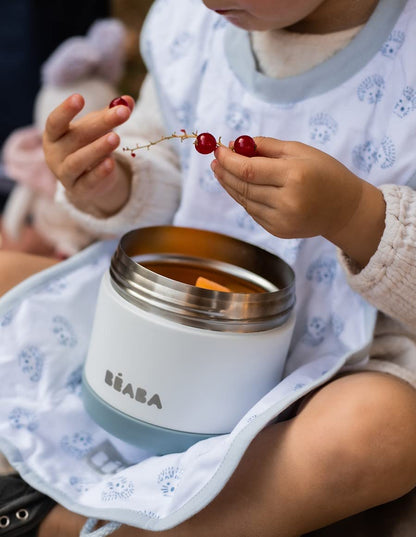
159	440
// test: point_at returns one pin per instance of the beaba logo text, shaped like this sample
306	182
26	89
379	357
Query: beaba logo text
137	393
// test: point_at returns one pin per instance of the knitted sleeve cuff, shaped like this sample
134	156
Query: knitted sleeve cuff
388	281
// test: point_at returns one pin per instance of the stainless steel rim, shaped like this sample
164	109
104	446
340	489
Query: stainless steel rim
193	306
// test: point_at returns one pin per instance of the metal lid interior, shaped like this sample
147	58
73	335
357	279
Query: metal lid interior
198	307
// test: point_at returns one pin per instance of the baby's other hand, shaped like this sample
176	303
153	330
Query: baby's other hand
79	153
289	188
294	190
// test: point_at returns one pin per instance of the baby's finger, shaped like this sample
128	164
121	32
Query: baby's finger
266	215
94	125
258	211
60	118
271	220
245	192
254	170
86	158
252	196
261	214
96	181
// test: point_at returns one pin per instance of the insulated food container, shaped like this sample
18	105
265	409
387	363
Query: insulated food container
170	363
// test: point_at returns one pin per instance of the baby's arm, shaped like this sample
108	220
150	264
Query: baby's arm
294	190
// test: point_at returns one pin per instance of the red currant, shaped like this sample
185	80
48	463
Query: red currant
205	143
245	145
117	101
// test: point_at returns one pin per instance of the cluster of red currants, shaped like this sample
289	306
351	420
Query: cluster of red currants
243	145
205	142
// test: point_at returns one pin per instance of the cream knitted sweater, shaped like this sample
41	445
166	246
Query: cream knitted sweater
388	281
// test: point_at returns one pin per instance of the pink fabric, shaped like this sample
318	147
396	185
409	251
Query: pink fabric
24	161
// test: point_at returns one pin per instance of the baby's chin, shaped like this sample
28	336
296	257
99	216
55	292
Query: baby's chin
255	27
246	22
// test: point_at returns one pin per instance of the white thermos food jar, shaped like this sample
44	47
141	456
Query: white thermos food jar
171	363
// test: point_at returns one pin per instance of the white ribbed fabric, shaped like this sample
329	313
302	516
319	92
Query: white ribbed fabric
297	52
389	283
391	272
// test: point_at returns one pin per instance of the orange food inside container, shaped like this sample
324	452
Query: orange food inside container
208	277
205	283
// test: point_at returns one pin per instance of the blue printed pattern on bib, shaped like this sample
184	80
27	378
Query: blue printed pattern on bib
31	362
168	480
406	103
323	127
238	118
117	489
44	329
394	43
322	270
371	89
22	418
78	444
63	331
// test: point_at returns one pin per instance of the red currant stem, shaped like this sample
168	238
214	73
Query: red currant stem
182	137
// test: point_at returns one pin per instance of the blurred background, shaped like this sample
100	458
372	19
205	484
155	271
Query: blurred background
30	30
132	13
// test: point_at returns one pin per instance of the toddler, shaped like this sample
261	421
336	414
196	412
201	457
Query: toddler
330	86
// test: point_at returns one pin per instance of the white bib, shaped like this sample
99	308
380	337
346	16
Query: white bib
359	106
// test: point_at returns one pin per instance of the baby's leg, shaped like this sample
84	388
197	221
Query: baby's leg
351	447
17	266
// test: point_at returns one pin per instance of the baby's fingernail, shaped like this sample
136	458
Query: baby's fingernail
107	165
122	112
76	100
112	138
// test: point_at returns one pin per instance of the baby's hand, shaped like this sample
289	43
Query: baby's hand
294	190
79	153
